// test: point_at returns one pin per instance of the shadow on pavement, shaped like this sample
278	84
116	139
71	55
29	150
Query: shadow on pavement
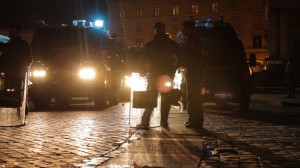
257	115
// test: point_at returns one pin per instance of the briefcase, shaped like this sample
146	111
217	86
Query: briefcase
144	99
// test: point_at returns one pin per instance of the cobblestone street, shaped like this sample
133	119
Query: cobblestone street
64	138
229	139
89	139
242	141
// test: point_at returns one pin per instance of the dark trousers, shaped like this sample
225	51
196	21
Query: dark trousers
165	109
194	104
165	104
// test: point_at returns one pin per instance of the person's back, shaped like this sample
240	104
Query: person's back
190	51
160	55
16	54
15	59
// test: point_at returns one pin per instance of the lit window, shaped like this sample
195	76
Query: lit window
156	11
214	7
139	12
121	13
176	10
139	42
257	41
195	8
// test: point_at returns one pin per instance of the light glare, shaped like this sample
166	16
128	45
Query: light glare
99	23
39	73
168	84
87	73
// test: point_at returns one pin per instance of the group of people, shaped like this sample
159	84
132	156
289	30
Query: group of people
162	57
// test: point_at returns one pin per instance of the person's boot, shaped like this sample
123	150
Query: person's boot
194	125
145	119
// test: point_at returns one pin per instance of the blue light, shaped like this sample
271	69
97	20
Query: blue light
4	39
99	23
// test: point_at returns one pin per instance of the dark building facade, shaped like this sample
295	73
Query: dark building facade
269	28
266	27
284	28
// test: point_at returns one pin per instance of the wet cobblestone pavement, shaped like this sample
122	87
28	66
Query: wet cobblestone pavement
239	141
102	139
227	140
64	138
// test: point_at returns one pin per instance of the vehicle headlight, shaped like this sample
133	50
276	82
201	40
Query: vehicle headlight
128	81
87	73
39	73
136	82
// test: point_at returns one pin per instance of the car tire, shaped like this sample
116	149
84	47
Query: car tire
244	104
223	105
113	100
245	97
100	100
41	102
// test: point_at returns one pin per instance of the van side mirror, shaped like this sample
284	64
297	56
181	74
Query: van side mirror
252	60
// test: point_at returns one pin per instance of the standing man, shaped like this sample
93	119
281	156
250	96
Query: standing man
159	59
190	57
15	57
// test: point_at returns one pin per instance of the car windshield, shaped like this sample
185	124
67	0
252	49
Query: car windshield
63	43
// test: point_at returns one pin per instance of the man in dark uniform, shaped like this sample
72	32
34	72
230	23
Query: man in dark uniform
159	60
190	57
15	57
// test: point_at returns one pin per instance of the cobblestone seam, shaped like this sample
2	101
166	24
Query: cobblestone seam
97	161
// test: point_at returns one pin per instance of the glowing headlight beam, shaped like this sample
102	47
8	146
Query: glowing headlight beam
128	81
87	73
136	82
39	73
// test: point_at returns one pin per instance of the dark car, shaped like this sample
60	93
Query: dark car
227	77
74	62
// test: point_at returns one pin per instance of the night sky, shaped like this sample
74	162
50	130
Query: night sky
27	12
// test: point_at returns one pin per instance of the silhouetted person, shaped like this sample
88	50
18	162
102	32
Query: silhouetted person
290	77
15	58
159	60
190	57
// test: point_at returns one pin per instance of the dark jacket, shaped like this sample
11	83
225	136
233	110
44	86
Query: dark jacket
15	55
190	53
160	55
